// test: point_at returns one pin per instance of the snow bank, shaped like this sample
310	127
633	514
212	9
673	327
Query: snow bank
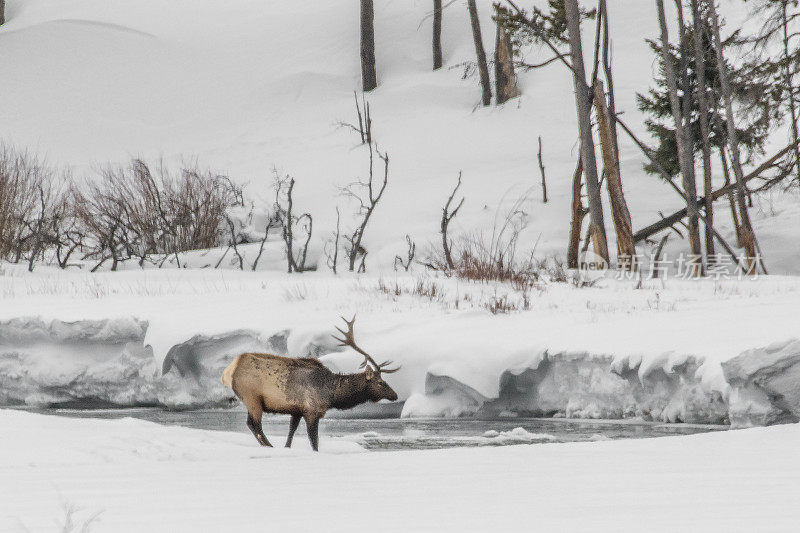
765	384
192	369
583	385
88	362
569	355
106	362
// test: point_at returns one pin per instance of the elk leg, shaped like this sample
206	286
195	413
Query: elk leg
292	428
254	412
312	427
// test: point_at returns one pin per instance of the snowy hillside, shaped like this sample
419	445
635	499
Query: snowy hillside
264	84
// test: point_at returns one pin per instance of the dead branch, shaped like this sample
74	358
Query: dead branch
447	217
272	220
364	127
368	195
289	222
541	170
411	252
233	242
333	257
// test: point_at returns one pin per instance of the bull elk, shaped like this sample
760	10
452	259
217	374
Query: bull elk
303	387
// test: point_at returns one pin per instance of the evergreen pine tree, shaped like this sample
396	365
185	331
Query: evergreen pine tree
756	114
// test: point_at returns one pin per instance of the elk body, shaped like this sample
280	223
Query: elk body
303	387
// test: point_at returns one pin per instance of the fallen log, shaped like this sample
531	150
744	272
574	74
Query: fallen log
670	220
646	151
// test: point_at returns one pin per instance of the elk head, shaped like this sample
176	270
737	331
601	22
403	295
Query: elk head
377	389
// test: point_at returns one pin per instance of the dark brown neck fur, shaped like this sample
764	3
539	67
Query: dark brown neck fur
350	390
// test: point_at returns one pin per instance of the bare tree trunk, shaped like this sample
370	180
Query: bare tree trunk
705	132
437	34
685	156
685	86
731	200
447	217
368	76
748	235
612	108
483	66
541	171
626	249
583	98
2	12
504	78
578	212
789	81
623	214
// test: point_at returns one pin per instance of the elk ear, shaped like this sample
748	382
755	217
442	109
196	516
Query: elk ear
369	372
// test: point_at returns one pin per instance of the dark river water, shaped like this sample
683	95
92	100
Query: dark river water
411	433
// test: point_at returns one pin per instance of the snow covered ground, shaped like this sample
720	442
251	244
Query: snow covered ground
129	475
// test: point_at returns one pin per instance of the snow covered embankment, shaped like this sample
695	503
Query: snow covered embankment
765	385
106	362
583	385
89	363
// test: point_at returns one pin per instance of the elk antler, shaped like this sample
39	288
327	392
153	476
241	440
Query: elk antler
349	340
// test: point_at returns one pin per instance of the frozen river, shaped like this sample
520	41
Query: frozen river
410	433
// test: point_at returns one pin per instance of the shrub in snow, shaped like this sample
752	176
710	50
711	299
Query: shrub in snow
140	211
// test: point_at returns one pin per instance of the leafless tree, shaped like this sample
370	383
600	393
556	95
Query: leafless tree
583	98
411	253
364	127
332	254
437	34
368	76
234	241
541	171
35	214
290	225
447	216
748	234
368	194
480	52
682	131
140	211
272	221
626	248
504	75
21	176
705	130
